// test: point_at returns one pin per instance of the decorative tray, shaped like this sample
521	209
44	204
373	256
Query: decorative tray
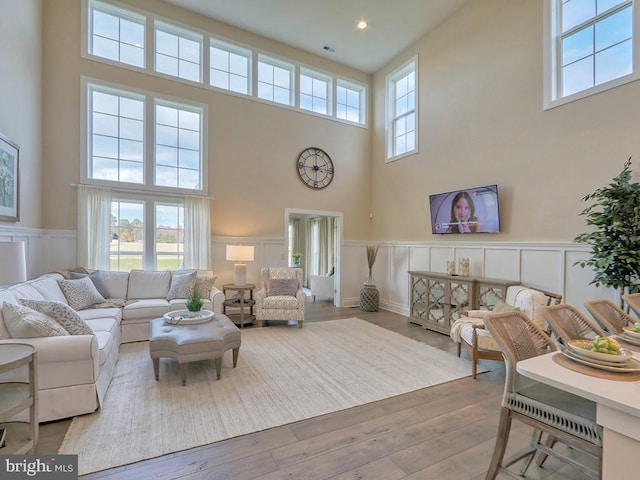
185	317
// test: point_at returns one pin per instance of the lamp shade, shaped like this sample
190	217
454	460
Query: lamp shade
13	263
240	253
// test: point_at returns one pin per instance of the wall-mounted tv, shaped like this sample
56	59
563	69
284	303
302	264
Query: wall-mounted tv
474	210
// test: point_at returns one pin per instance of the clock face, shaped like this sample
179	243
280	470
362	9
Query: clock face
315	168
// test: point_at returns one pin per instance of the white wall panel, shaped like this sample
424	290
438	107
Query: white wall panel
543	269
502	263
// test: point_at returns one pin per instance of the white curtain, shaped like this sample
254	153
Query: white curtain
326	244
197	233
94	227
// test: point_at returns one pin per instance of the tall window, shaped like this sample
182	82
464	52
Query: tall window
178	147
314	91
117	136
402	120
116	34
169	236
127	235
230	67
350	102
592	46
178	52
275	80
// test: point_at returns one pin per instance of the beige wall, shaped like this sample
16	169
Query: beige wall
252	145
482	122
20	98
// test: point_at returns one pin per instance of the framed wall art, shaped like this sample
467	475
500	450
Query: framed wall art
9	195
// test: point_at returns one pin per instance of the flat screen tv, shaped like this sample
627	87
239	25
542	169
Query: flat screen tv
474	210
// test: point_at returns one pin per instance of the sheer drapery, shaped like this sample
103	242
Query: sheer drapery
296	238
94	227
326	244
197	233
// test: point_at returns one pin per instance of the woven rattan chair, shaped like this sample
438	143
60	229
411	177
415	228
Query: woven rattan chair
565	417
567	323
633	302
609	316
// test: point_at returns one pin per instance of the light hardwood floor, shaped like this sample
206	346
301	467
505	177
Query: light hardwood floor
442	432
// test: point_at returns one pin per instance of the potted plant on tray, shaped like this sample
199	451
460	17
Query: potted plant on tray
194	303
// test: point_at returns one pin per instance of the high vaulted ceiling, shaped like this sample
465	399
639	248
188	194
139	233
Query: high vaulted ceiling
313	24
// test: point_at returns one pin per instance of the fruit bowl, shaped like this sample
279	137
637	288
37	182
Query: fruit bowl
585	349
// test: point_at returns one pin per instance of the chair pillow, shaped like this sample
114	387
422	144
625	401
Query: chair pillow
501	306
96	278
282	287
181	285
62	313
80	293
23	322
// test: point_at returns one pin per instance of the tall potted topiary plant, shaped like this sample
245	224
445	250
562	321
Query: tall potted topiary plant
615	239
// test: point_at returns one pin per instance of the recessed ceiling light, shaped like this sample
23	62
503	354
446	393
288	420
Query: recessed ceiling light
362	25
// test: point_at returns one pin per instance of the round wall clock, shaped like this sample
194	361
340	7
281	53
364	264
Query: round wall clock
315	168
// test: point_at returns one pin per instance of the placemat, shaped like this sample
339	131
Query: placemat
562	360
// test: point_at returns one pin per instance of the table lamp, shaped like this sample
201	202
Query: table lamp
240	254
13	263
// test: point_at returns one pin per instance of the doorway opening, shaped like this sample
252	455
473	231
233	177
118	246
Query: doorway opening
317	235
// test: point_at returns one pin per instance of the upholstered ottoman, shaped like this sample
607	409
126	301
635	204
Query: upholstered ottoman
191	343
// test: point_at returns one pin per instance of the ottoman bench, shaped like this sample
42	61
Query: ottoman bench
193	342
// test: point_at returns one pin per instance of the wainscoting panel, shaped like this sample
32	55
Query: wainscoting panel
501	263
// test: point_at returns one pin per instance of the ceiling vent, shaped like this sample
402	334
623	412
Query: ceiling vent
329	49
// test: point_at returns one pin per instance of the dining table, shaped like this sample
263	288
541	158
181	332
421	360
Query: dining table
617	399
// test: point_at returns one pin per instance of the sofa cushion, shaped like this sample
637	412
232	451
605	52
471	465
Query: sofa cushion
92	313
80	293
148	284
109	325
106	344
282	287
62	313
96	279
182	285
280	302
5	296
145	308
47	286
117	283
23	322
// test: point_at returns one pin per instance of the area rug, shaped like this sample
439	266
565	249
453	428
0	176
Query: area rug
283	375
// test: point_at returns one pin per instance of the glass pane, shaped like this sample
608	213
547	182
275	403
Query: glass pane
105	124
265	73
166	135
105	146
190	120
189	71
166	115
615	62
168	65
132	55
105	25
306	102
265	91
353	98
400	127
133	129
577	46
238	84
105	169
575	12
319	88
189	50
402	105
189	159
189	139
341	111
189	179
130	150
614	29
281	77
410	141
131	33
353	114
402	87
166	156
578	76
131	108
320	106
306	84
105	48
103	102
166	176
604	5
166	43
238	64
281	95
131	172
341	95
169	262
219	59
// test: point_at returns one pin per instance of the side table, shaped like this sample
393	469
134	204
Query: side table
21	437
241	302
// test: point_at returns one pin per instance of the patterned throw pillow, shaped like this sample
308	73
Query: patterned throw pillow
23	322
204	284
96	278
282	286
80	293
181	285
62	313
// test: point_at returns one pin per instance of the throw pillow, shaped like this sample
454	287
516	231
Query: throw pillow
23	322
80	293
181	285
204	284
501	306
62	313
96	278
282	286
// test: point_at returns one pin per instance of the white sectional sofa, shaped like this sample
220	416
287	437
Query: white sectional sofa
74	371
